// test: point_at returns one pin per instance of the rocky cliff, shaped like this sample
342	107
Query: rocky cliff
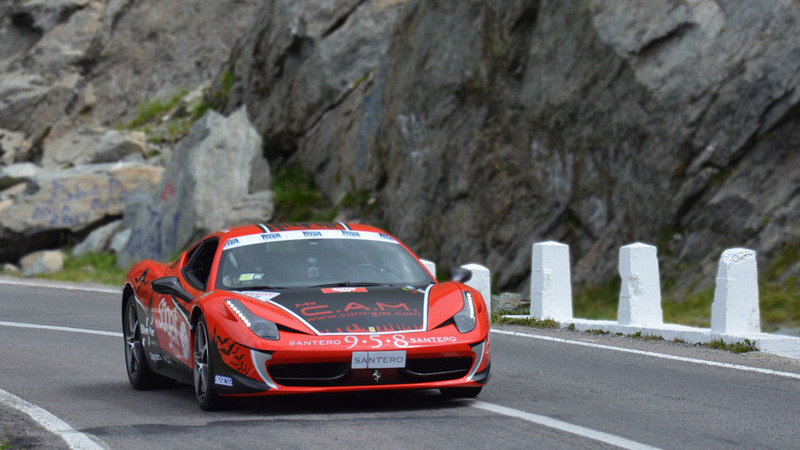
484	126
478	127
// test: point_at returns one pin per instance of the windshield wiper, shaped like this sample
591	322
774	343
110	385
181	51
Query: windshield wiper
258	288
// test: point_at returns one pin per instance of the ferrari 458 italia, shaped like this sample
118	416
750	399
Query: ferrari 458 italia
302	308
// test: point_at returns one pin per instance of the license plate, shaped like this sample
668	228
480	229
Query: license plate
378	360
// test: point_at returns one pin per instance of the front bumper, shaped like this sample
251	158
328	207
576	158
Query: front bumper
326	367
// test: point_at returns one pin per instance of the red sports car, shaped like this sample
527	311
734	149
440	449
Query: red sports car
301	308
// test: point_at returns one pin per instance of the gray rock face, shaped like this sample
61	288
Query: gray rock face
207	177
485	126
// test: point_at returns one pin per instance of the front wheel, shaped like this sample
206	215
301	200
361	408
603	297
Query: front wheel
466	392
139	373
203	370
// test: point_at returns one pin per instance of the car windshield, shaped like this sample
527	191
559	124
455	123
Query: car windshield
317	259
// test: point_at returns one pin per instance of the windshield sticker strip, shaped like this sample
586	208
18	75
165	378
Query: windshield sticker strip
251	239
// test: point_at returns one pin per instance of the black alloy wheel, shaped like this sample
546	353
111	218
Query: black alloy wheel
203	370
139	373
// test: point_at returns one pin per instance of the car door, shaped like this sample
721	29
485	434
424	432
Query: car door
171	314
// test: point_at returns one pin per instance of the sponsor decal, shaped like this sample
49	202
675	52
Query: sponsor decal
223	380
386	236
353	234
263	296
167	319
312	234
155	357
270	236
339	290
374	341
352	310
230	242
315	343
432	340
146	330
251	276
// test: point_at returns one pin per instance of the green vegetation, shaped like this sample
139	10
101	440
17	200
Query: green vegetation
90	267
155	109
297	198
226	80
597	302
97	268
738	347
598	332
499	318
167	121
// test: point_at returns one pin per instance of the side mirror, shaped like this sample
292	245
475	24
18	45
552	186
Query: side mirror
460	274
171	286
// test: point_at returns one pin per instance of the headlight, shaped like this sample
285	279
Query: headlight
262	328
465	319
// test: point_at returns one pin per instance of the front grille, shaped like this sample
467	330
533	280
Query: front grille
340	373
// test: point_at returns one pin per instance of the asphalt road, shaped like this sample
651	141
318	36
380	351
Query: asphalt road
61	353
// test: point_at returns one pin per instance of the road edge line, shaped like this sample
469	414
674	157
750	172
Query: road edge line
653	354
56	285
74	438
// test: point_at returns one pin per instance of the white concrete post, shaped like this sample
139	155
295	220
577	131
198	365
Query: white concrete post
481	281
430	265
640	293
735	307
551	288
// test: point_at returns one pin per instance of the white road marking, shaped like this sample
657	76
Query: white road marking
74	438
559	425
56	285
58	328
652	354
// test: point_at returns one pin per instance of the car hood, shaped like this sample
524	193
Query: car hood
352	309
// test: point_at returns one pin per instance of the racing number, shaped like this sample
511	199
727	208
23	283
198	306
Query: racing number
398	340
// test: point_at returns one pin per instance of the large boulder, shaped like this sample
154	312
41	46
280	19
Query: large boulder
54	205
93	145
208	176
42	263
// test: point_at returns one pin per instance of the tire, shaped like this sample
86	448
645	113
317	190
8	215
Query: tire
139	373
203	370
466	392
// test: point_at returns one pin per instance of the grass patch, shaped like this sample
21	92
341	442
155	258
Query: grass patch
90	267
737	347
154	109
297	198
499	318
598	332
597	302
693	310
